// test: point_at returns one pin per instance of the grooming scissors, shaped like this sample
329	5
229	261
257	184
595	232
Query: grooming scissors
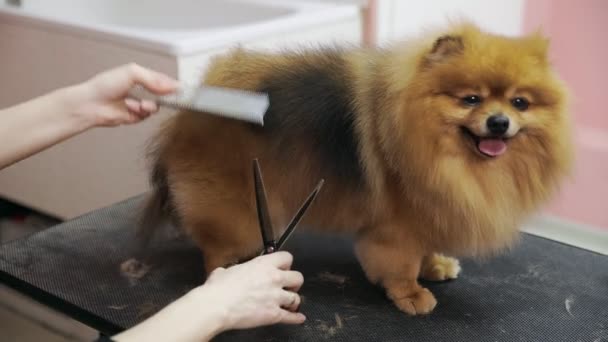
271	244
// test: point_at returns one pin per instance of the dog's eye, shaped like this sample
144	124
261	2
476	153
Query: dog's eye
471	100
520	103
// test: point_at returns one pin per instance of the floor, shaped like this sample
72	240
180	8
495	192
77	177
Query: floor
17	328
24	320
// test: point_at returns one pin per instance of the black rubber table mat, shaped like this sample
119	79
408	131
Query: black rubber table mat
540	291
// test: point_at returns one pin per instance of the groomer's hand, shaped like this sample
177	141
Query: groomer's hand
260	292
103	98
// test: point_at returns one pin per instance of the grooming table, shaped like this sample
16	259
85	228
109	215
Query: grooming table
540	291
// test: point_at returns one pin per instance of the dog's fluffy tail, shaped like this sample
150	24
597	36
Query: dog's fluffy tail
157	207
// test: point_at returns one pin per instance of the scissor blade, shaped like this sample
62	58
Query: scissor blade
299	214
262	206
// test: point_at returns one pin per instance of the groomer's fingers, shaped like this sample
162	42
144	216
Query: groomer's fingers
288	317
143	109
136	112
289	300
133	105
149	106
154	81
292	280
281	259
116	114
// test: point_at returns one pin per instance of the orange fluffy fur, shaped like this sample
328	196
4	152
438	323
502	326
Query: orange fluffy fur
424	189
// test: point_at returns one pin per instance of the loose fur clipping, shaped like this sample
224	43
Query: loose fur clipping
389	132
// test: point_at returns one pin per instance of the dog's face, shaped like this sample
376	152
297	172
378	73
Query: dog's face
490	96
490	118
478	131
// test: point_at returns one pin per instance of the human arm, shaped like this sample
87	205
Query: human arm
30	127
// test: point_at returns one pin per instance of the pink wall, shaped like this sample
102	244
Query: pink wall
579	49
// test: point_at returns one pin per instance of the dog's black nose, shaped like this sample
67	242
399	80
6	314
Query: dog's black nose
498	124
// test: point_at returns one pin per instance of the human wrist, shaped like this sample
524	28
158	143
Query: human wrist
197	316
215	315
75	104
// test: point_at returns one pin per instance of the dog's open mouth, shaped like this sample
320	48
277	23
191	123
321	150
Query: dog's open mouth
487	146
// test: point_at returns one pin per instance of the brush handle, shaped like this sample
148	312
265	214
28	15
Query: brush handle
181	99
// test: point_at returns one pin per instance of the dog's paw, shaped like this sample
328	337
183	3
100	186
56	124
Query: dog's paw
439	267
419	302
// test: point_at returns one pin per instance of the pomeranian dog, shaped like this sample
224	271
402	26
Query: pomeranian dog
435	148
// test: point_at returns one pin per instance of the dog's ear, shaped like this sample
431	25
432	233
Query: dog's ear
445	47
538	45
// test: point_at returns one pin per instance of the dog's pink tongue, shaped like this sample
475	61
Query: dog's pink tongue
492	147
